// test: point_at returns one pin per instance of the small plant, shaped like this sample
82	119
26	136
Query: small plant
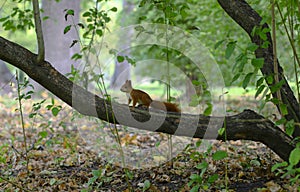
23	96
198	180
290	169
99	177
55	109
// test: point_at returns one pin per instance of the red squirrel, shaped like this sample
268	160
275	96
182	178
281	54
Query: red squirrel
141	97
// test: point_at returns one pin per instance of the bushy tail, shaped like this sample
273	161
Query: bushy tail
165	106
172	107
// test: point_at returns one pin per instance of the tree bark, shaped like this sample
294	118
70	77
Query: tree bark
241	12
247	125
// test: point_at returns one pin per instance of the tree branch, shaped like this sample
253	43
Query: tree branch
39	31
247	125
241	12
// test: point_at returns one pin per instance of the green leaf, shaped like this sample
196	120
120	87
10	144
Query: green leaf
129	174
120	58
252	47
91	181
247	80
229	49
31	115
235	78
255	162
196	83
221	131
295	157
283	109
55	111
265	44
86	14
142	18
280	121
194	100
196	178
147	185
99	32
278	165
241	61
213	178
277	86
67	29
114	9
45	18
218	44
4	19
270	79
43	134
202	165
97	173
257	62
218	155
70	12
260	81
290	127
259	90
27	97
183	13
208	109
195	188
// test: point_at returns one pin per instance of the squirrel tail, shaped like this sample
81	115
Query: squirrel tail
165	106
172	107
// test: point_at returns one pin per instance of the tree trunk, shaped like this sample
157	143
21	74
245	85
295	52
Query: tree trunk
248	19
57	44
247	125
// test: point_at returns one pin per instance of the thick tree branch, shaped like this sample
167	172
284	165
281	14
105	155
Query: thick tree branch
247	125
241	12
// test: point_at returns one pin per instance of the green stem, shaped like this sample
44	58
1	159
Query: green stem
22	120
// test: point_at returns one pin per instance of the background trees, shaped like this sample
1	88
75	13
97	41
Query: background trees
56	42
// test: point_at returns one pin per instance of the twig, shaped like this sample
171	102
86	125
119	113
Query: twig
289	37
22	121
276	73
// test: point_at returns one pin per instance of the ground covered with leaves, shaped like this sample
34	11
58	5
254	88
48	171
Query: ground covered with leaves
68	152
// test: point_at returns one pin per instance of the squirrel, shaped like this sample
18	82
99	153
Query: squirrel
141	97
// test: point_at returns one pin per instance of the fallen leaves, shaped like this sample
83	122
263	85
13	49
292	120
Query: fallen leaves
67	156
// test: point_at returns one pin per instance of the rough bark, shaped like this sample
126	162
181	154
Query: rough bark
242	13
247	125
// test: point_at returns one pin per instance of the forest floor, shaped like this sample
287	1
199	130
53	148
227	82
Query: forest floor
68	152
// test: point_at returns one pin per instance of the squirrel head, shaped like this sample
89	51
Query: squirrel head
126	87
